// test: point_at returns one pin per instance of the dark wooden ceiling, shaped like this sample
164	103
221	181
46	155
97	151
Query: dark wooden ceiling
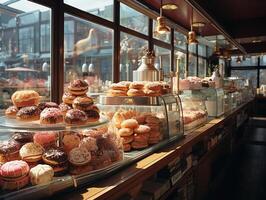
243	20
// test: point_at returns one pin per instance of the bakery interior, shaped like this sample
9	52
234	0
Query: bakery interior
132	99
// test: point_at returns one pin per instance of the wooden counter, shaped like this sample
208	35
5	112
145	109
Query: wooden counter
124	181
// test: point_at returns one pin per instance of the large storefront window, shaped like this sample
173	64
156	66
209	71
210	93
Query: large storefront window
248	61
102	8
247	74
202	67
134	20
202	50
88	53
163	60
180	40
180	59
24	38
192	65
131	51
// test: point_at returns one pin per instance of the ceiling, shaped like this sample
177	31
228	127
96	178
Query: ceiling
242	21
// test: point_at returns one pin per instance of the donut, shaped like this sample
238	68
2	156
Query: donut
128	139
89	143
130	123
11	111
64	108
82	103
68	98
31	152
70	142
116	93
119	86
141	137
44	105
93	113
51	116
91	133
30	113
125	132
126	83
76	117
22	137
41	174
118	119
152	93
142	129
126	147
139	145
25	98
135	93
79	156
45	139
9	150
154	86
78	92
136	85
78	85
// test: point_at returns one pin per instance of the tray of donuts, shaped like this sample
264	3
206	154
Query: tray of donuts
77	110
39	158
138	130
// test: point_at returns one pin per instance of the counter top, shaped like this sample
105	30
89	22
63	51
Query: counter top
133	175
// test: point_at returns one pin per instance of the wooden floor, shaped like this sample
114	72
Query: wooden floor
246	178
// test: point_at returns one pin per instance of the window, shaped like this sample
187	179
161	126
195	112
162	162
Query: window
192	65
23	65
182	63
202	50
102	8
91	57
180	41
247	74
163	60
209	51
250	61
192	48
163	37
134	20
262	77
68	34
202	67
131	51
263	60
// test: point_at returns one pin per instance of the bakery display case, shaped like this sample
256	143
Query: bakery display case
214	101
194	109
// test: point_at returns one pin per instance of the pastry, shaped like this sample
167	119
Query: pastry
78	87
89	143
76	170
150	119
25	98
139	145
141	137
154	137
135	93
154	127
91	133
118	119
82	103
45	139
93	113
57	159
41	174
140	118
44	105
76	117
22	137
136	85
64	108
119	86
130	123
68	98
9	150
123	132
116	93
79	156
14	175
154	86
127	139
126	147
126	83
70	141
152	93
51	116
30	113
142	129
11	111
31	152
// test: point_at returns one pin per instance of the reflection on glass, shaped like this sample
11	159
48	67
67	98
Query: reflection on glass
247	74
263	60
192	65
180	40
202	67
163	37
133	19
25	54
102	8
182	63
131	51
192	48
250	61
202	50
262	77
163	60
88	53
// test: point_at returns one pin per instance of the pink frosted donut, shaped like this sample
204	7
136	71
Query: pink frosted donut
14	169
51	116
45	139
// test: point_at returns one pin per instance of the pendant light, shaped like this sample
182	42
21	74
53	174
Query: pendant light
84	67
238	60
192	37
162	28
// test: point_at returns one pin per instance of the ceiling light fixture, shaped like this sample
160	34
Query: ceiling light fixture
162	28
169	6
238	60
192	37
198	24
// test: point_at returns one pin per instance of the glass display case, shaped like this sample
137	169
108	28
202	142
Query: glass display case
194	109
214	101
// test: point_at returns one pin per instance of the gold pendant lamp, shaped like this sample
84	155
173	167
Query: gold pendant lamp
162	28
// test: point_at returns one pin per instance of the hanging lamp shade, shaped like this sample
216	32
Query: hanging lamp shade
162	28
192	38
238	60
84	67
